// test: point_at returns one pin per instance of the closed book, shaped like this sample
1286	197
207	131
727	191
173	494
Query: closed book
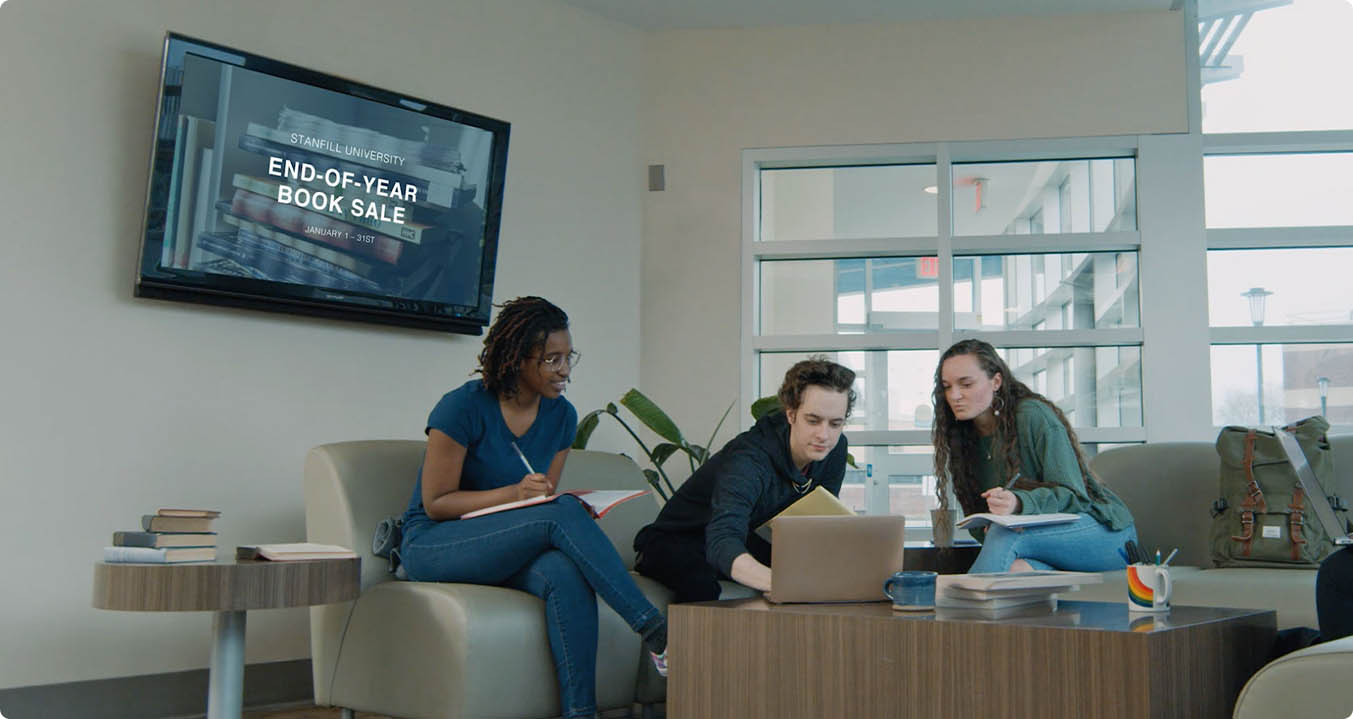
294	552
164	539
1017	581
157	523
158	555
167	512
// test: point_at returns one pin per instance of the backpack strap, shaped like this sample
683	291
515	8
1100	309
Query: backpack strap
1295	511
1254	498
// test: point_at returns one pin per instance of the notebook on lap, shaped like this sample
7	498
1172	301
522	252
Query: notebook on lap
834	559
1319	501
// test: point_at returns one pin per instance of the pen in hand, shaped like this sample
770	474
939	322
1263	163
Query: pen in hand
522	455
1012	481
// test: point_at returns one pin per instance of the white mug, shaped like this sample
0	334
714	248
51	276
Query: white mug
1149	587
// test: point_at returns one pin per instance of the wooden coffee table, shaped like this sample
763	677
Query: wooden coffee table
750	659
229	588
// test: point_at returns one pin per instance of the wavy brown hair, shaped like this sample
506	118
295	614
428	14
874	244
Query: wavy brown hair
820	371
517	333
956	441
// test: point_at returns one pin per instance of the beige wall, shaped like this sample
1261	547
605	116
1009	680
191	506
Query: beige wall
710	94
111	406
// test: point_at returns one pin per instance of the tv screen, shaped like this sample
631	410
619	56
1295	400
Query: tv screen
279	188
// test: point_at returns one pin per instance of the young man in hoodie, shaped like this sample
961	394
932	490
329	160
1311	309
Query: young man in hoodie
705	532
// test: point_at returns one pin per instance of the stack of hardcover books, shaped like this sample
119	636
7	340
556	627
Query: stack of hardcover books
1005	594
169	536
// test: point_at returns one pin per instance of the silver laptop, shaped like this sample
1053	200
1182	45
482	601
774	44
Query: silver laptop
1319	501
834	559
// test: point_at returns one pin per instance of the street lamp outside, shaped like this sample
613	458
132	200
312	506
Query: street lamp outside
1257	296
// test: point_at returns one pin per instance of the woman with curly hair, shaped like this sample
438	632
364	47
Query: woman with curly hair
553	550
990	429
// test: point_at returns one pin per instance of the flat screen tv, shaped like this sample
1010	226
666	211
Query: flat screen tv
279	188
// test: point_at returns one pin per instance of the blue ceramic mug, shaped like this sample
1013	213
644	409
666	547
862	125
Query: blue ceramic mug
911	590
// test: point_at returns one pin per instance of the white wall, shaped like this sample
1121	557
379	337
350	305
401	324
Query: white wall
111	406
709	94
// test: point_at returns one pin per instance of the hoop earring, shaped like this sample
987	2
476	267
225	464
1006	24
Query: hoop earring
997	405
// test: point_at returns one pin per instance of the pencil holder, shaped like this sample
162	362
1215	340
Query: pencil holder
1149	587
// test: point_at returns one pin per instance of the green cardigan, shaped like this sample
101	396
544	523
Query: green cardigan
1046	455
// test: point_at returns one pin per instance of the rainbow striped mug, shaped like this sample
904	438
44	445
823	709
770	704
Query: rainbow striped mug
1149	587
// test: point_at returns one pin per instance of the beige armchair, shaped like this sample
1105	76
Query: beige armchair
453	651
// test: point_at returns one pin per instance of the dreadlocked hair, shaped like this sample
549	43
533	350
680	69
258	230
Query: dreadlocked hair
518	332
956	441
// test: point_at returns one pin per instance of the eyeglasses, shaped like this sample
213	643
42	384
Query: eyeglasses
557	361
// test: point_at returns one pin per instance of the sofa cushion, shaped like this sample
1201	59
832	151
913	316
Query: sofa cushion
499	650
1312	682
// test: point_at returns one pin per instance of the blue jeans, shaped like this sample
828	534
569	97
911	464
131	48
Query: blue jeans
1084	545
555	551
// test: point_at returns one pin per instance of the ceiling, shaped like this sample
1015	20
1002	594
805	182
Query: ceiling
679	14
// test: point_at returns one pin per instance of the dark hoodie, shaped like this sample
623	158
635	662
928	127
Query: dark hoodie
742	486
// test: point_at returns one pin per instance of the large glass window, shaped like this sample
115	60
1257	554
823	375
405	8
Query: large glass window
1063	291
849	296
1275	65
1297	380
1279	190
880	281
1044	197
1283	287
843	203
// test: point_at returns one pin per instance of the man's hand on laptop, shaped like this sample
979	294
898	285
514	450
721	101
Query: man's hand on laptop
749	572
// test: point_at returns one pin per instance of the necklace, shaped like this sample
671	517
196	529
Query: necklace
801	488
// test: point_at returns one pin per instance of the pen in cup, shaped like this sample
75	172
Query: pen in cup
1172	553
522	455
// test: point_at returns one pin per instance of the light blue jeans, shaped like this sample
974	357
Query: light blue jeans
1084	545
555	551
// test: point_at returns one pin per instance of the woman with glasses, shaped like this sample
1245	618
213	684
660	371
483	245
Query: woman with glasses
486	439
1006	449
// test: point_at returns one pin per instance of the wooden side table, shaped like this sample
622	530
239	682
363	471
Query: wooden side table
228	588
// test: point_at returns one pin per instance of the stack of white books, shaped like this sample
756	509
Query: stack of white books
1006	593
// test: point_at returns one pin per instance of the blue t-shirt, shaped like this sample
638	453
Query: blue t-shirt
470	415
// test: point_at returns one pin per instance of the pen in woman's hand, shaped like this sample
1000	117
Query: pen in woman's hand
1012	481
522	455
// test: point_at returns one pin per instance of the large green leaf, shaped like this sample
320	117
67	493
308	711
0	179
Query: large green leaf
704	451
662	451
586	427
765	406
652	417
653	479
699	453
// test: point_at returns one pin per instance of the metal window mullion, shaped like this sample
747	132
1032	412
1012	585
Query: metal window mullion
1108	337
944	251
1119	241
751	284
1278	143
913	340
1307	334
845	249
1260	238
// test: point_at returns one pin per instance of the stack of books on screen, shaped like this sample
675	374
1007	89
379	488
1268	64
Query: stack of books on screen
170	536
1006	593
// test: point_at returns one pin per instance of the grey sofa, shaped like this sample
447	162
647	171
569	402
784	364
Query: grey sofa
1170	486
451	651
